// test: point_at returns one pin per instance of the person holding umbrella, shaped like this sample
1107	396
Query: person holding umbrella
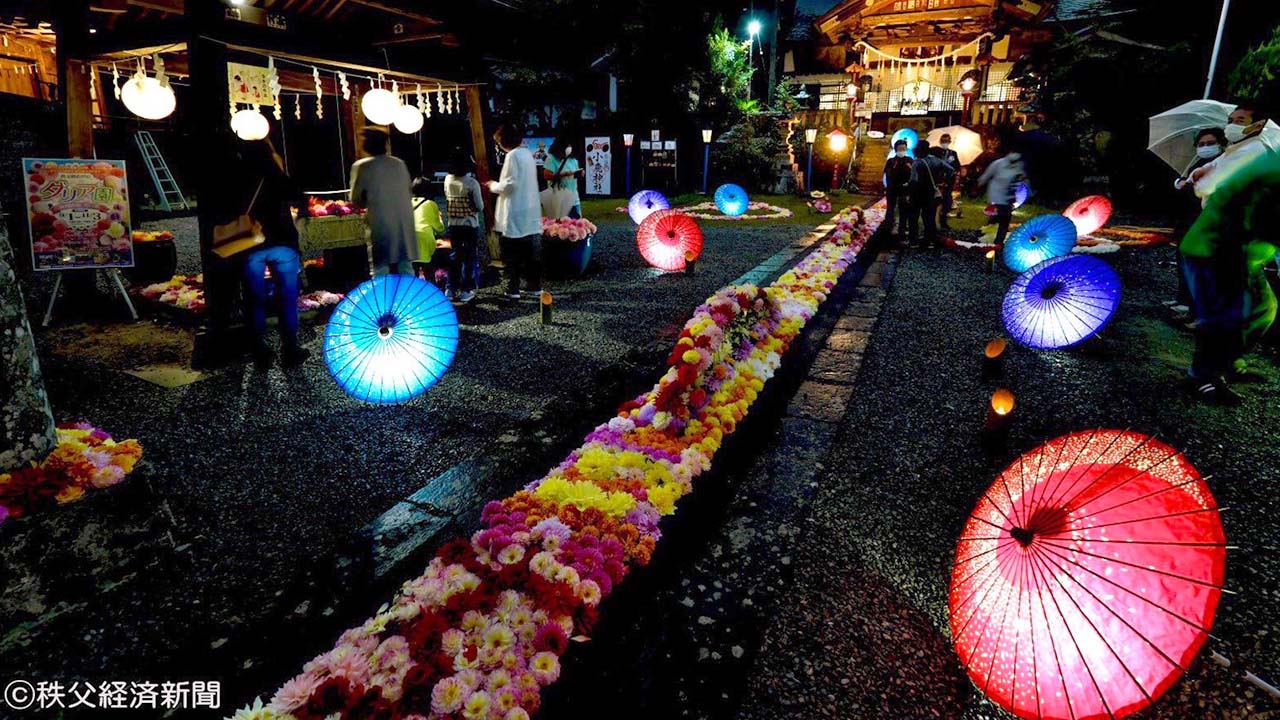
952	159
1209	144
1224	252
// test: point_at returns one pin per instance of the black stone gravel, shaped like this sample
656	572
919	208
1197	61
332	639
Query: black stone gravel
266	474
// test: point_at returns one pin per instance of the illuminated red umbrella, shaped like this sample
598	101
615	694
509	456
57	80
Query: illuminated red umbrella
667	237
1087	577
1089	213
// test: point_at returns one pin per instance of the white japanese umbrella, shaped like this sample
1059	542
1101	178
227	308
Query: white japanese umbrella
1171	134
966	143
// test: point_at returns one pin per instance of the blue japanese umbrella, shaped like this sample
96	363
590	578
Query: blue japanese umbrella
390	339
1038	239
731	199
1061	301
1020	195
912	138
645	203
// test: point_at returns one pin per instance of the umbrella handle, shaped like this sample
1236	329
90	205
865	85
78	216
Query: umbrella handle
1249	677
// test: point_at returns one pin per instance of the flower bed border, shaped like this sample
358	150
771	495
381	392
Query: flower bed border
696	211
482	630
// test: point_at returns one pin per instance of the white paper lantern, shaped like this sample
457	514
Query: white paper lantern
147	98
408	119
379	106
250	125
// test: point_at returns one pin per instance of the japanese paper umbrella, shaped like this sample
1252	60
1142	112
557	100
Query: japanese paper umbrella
1089	214
667	237
1087	577
390	339
1038	239
1061	302
644	203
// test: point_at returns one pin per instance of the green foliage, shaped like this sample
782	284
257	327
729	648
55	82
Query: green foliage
1257	75
731	70
783	99
745	153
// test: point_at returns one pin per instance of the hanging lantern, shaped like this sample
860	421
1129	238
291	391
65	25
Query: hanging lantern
408	119
379	106
147	98
250	124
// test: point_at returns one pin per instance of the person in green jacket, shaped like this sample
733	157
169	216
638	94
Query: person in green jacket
426	221
1226	249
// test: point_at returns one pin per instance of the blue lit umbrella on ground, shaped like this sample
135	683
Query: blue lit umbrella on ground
1038	239
731	199
390	339
645	203
1061	301
1020	195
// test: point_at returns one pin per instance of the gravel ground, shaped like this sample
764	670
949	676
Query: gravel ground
266	473
900	481
827	598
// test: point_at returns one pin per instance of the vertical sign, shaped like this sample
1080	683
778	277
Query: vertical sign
78	213
599	166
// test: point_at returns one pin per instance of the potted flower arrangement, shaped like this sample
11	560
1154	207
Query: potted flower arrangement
566	246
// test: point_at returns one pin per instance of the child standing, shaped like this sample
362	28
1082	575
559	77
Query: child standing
465	208
426	221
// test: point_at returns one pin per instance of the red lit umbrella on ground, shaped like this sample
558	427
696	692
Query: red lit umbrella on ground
1087	577
667	237
1089	213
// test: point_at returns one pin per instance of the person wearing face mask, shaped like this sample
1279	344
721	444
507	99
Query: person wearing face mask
897	177
561	171
948	156
1242	132
1209	142
1226	250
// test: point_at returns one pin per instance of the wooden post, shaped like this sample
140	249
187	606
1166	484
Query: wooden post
73	78
480	150
212	172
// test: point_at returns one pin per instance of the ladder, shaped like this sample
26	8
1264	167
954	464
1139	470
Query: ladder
170	196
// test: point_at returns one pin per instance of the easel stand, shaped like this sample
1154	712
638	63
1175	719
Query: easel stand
113	273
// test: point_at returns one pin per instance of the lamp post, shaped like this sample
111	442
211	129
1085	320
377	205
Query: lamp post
628	139
810	136
753	31
706	157
968	83
838	141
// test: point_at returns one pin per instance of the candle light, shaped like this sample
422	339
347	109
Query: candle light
993	357
991	260
995	431
690	259
545	306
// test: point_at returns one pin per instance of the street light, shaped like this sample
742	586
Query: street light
706	157
838	141
753	28
810	136
628	139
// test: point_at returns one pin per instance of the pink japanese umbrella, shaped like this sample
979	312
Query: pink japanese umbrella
667	238
1089	213
1087	577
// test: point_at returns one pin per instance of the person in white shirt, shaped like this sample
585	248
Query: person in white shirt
518	214
381	184
1001	178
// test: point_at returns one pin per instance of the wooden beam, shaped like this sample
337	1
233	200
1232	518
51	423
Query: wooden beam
412	38
172	7
373	4
334	10
366	69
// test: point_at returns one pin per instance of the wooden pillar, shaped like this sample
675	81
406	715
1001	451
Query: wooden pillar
72	26
480	145
212	173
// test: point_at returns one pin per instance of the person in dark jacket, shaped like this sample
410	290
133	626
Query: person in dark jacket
952	160
275	194
897	176
929	175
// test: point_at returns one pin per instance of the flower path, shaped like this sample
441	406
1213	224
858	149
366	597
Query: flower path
481	632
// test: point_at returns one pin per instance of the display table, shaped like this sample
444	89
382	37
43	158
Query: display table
327	233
